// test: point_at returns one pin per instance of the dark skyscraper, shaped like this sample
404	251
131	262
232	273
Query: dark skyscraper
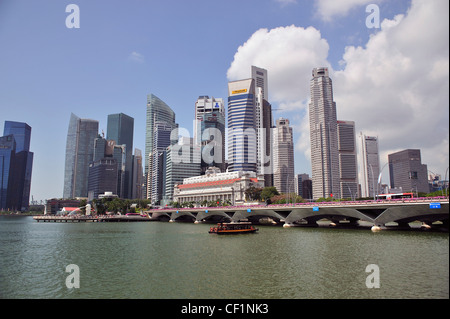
120	129
20	165
7	152
407	172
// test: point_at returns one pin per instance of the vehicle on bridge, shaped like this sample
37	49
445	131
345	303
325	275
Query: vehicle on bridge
233	228
395	196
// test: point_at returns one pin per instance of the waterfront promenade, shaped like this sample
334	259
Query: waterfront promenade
90	218
378	212
432	212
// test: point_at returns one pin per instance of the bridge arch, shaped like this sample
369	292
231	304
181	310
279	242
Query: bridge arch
402	215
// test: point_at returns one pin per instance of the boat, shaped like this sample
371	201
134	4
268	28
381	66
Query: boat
233	228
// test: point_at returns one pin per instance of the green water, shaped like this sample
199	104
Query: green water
181	260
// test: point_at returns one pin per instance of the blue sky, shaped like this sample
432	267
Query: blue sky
177	50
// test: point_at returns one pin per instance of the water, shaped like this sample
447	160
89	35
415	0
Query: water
179	260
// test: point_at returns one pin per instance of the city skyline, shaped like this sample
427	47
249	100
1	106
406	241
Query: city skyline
380	75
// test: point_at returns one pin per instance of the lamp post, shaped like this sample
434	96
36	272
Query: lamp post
445	181
373	181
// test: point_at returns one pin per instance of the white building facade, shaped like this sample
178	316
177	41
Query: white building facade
214	186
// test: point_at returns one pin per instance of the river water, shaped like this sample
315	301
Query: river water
181	260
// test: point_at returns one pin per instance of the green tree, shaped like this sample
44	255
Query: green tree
253	193
269	192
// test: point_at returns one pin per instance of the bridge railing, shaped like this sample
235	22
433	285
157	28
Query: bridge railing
309	204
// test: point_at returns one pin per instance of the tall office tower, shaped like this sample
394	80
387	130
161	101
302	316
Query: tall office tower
348	163
260	77
264	139
283	157
79	153
180	166
407	171
157	110
209	132
7	152
264	125
23	164
137	178
299	179
120	129
107	170
157	162
323	134
242	139
370	165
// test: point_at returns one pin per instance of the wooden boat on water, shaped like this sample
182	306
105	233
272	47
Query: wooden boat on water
233	228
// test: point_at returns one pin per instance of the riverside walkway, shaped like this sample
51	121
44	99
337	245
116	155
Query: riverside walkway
91	218
377	212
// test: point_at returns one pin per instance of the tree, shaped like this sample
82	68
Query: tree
269	192
253	193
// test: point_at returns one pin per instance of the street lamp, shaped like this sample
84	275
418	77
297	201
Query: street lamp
445	181
379	176
373	181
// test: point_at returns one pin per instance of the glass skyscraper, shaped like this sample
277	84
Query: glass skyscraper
120	129
7	152
210	122
157	110
79	153
20	167
242	139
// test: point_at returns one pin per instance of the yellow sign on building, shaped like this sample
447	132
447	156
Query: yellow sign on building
239	91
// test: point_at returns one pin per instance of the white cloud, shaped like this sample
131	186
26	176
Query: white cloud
136	57
286	2
395	87
289	54
328	9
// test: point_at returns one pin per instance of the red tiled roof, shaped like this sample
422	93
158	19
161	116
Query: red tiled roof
213	183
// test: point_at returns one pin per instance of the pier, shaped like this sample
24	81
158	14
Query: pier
91	219
431	212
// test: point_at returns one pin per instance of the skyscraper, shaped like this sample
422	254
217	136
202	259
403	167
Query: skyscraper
348	163
323	134
157	162
259	75
209	132
407	172
370	165
180	166
157	110
107	170
283	157
23	164
7	153
79	153
137	178
242	139
120	129
264	125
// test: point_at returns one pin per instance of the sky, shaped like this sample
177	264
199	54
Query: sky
392	79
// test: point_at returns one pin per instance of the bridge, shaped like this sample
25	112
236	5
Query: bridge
379	213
